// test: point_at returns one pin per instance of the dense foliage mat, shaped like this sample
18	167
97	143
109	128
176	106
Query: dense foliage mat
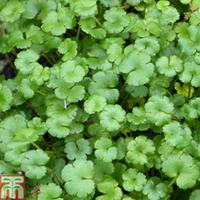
100	99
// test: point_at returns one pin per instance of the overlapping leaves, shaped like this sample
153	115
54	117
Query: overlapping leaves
100	99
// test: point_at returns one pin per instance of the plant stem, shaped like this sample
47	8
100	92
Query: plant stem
172	181
35	145
98	22
189	91
78	33
40	92
48	59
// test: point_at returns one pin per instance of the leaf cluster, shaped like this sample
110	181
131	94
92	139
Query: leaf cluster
99	99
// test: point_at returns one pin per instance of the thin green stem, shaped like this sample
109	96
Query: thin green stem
126	135
48	59
98	22
40	92
172	181
78	33
189	91
35	145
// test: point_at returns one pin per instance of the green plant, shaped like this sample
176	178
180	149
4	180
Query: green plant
99	99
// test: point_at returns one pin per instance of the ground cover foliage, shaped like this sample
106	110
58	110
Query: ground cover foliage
99	99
